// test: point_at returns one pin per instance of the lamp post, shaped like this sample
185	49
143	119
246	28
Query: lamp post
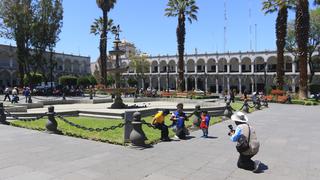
265	78
167	77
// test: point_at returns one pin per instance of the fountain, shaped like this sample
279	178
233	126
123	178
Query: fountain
117	70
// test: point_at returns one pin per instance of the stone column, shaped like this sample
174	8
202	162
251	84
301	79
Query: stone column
217	86
228	68
217	68
240	85
186	83
205	68
150	69
176	80
196	82
240	67
228	83
293	85
206	83
195	68
150	80
252	85
294	67
252	67
159	83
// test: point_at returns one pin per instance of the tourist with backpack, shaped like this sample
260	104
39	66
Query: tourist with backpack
247	142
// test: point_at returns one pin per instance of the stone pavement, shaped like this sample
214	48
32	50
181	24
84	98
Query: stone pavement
289	136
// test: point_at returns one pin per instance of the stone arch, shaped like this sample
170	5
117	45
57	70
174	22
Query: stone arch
191	83
163	66
200	66
234	83
222	65
59	64
211	84
154	67
76	66
154	82
172	66
4	60
259	64
316	63
67	65
5	78
234	65
246	65
288	62
211	65
190	66
246	84
272	64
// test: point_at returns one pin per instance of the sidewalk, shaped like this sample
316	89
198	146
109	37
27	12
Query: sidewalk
289	136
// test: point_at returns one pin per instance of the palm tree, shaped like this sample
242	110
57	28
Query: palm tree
281	6
105	6
183	9
302	27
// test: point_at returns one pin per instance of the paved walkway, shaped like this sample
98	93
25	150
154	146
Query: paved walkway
289	136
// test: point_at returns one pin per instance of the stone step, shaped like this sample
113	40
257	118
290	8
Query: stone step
100	116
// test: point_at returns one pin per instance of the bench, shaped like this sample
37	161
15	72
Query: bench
166	94
182	94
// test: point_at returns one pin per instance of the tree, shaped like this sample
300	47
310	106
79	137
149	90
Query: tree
139	62
313	43
280	6
68	80
132	82
33	79
92	80
302	26
46	29
83	81
105	6
183	9
97	74
16	24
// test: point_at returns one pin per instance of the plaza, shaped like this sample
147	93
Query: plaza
159	90
285	152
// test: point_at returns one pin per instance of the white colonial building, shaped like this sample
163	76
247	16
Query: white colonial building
66	64
218	72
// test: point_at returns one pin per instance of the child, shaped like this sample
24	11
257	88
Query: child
204	125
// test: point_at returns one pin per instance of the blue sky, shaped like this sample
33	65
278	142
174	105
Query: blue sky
143	23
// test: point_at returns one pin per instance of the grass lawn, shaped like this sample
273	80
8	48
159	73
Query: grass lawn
112	136
238	104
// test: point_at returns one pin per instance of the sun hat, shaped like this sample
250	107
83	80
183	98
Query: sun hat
239	117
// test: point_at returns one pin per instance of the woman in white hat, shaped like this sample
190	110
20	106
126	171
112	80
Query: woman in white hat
244	130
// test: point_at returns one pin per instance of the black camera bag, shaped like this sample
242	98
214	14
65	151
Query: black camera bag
243	143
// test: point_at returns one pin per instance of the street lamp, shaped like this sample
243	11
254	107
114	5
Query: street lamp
168	77
265	78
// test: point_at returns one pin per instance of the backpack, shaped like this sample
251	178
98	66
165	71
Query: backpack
243	143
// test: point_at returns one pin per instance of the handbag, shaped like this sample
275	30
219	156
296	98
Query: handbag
243	143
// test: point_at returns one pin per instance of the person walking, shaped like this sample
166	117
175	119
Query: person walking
159	123
7	94
248	144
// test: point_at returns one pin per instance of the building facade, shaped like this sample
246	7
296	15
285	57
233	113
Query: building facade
66	64
216	73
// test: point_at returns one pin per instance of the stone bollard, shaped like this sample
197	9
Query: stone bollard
137	136
128	116
52	124
3	116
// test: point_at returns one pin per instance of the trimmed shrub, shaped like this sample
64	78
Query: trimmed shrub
68	80
83	81
33	79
